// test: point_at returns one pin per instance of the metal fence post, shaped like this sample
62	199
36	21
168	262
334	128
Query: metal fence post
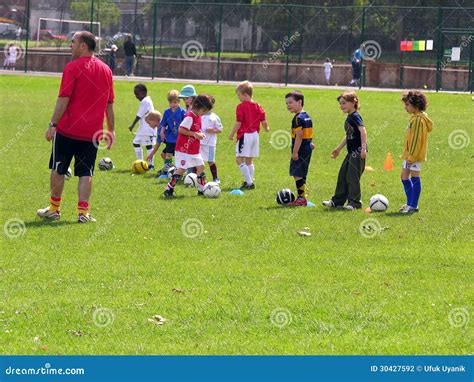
471	79
219	41
92	15
154	42
440	49
288	47
362	73
27	34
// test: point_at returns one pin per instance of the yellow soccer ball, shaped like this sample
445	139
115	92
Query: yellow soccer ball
139	167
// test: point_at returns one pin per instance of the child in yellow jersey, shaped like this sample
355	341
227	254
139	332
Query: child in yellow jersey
415	147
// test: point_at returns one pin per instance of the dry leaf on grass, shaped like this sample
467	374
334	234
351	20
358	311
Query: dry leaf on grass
157	320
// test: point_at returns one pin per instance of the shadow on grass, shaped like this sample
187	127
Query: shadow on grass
53	223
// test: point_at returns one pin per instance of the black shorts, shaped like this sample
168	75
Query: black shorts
169	148
300	167
64	149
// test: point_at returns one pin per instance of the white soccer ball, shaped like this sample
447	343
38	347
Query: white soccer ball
170	172
211	190
378	203
106	164
191	180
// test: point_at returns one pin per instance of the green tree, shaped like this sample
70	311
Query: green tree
105	12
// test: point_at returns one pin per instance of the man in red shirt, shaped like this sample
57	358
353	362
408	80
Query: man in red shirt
86	96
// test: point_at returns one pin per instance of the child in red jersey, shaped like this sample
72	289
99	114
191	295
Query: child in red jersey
249	116
187	151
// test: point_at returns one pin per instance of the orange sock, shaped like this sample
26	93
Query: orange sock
54	203
83	207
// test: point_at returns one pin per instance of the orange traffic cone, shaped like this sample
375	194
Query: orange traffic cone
388	165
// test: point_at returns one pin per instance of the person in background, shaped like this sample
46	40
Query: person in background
112	57
130	54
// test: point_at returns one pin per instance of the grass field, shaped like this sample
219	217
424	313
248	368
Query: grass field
247	283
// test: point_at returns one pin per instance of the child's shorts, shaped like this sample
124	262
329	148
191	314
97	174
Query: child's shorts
247	145
185	161
415	166
169	148
145	140
300	167
208	153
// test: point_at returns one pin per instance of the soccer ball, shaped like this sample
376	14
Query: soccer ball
285	196
211	190
378	203
106	164
191	180
170	172
139	167
68	174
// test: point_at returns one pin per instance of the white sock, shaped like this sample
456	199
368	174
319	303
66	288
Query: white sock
152	162
251	171
246	173
138	153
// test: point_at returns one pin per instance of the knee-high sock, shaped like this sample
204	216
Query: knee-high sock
201	181
138	152
245	172
416	180
301	187
251	170
213	168
174	179
148	152
408	186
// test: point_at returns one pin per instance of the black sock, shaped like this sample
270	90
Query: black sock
213	168
301	187
175	178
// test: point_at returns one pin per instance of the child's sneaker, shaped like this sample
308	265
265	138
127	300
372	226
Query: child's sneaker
151	167
85	218
403	208
298	202
348	208
246	186
329	203
47	214
169	193
217	181
409	210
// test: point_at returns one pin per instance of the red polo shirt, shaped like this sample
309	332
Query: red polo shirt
88	83
249	114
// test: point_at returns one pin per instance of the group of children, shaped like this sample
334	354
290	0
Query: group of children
190	136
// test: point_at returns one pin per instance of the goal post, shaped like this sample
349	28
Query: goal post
58	24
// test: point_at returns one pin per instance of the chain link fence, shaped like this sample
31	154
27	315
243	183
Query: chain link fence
276	43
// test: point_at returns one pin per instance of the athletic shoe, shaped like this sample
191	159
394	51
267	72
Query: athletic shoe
403	208
217	181
329	203
348	208
151	167
200	193
85	218
47	214
169	193
298	202
246	186
409	210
